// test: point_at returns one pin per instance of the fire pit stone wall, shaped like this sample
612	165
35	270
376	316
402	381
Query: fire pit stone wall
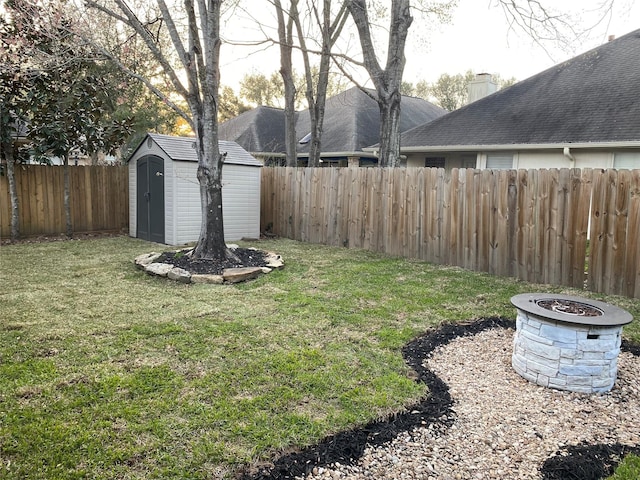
581	359
574	348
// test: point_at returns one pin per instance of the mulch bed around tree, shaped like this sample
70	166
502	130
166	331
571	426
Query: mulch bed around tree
582	462
246	258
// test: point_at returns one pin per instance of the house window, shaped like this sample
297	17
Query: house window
627	160
468	162
434	162
499	162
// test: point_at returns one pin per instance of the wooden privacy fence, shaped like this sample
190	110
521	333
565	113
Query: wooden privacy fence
529	224
99	199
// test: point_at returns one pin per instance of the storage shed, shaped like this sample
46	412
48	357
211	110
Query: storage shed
164	193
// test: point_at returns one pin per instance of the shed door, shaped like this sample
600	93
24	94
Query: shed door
150	199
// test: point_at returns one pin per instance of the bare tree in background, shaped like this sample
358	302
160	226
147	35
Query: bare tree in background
325	29
285	41
330	30
547	22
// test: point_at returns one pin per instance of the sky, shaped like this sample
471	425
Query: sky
478	38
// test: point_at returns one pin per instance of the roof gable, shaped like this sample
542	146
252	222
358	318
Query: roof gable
590	98
183	149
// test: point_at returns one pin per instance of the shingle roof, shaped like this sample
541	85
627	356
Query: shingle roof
594	97
258	130
352	120
183	149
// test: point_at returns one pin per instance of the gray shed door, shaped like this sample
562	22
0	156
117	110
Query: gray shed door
150	199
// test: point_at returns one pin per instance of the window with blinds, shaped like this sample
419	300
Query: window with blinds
499	162
626	160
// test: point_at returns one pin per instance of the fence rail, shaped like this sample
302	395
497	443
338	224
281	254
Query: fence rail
98	194
529	224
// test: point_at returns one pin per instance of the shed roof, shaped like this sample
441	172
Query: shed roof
591	98
183	149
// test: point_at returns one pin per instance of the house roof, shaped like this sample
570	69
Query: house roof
183	149
258	130
590	99
351	122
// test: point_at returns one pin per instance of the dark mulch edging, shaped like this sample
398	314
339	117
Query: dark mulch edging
582	462
347	447
585	462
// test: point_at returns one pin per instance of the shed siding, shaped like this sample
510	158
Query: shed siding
241	202
133	220
240	195
169	200
188	212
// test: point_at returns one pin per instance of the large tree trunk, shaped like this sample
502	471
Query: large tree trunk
13	192
389	129
387	81
211	244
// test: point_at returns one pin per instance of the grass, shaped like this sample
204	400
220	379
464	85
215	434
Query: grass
110	373
629	469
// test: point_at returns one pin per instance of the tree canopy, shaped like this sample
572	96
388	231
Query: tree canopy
451	91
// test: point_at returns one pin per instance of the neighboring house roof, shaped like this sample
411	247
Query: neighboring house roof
183	149
591	99
351	122
258	130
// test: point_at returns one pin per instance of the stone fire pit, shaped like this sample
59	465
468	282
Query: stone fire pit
567	343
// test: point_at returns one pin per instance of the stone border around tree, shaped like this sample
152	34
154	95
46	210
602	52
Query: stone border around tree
147	262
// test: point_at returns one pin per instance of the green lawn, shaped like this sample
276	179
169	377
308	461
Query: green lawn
108	373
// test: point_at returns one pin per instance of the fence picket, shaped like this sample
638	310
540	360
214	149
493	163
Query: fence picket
531	224
98	199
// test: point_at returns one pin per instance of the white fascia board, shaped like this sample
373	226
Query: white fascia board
362	154
520	146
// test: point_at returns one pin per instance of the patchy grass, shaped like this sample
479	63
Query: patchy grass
629	469
110	373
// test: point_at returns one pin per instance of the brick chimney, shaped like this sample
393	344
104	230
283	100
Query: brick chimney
480	87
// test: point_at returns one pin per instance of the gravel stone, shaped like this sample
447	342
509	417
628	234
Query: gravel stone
504	427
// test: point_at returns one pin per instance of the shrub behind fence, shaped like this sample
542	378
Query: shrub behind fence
529	224
99	199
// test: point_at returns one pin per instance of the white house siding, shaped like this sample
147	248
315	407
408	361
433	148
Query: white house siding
583	159
523	159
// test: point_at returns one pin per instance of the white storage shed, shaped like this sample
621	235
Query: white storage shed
164	193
